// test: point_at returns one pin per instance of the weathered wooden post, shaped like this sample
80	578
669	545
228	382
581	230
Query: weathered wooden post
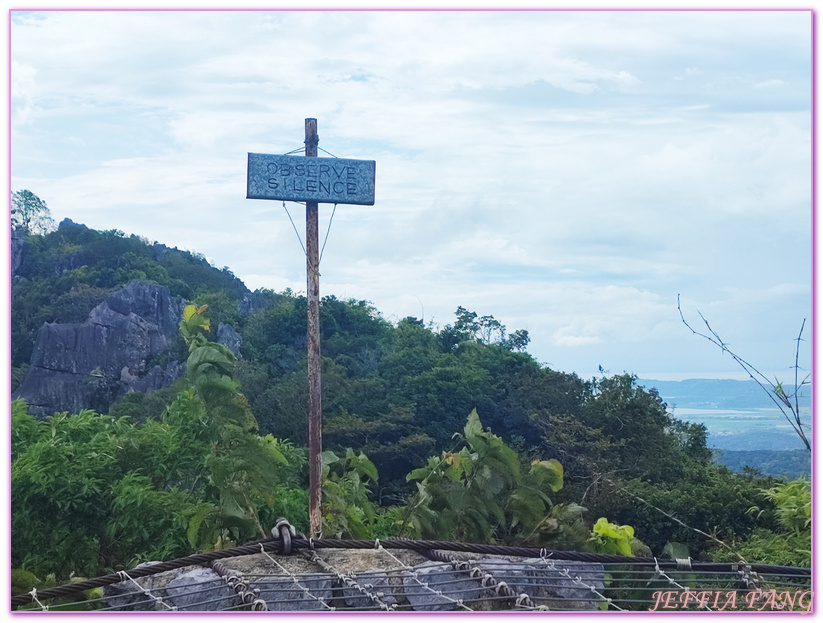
313	343
315	181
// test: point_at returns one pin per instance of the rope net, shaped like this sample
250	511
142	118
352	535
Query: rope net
291	573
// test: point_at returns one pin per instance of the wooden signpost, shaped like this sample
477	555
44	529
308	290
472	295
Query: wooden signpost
313	180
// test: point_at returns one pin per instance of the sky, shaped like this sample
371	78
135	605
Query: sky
567	172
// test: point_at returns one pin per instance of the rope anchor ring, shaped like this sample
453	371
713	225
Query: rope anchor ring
284	531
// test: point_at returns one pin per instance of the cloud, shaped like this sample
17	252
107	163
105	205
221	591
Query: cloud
22	101
768	84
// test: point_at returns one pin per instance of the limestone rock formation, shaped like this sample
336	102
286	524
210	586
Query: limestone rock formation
228	337
250	303
88	365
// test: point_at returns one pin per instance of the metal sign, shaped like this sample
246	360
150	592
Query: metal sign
323	180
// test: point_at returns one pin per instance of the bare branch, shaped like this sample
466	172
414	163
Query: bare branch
797	365
775	391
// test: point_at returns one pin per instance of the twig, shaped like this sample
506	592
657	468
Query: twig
673	518
776	390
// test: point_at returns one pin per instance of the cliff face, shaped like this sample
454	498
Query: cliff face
88	365
18	242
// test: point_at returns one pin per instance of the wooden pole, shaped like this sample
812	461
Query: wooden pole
313	339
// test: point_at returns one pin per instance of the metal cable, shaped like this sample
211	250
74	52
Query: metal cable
660	573
304	589
328	231
275	545
299	239
250	598
348	580
157	600
423	584
501	588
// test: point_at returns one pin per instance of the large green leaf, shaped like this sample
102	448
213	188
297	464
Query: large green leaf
527	510
418	474
548	473
271	446
473	427
212	355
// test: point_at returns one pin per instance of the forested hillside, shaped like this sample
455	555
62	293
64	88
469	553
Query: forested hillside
539	455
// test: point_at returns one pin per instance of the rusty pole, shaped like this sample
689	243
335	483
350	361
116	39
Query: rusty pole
313	339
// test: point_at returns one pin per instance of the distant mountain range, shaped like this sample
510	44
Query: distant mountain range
745	427
719	394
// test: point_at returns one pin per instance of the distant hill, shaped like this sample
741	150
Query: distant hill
745	428
98	310
789	463
61	276
717	394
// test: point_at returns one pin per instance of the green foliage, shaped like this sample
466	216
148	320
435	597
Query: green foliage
707	497
79	502
346	509
91	493
146	524
623	439
243	466
609	538
794	505
788	543
209	449
480	494
222	307
788	464
485	330
139	407
23	581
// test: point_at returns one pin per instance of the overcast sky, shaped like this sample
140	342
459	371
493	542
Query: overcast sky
566	172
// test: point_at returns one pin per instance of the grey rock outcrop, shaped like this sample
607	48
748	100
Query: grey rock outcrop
130	596
201	589
227	336
373	583
370	580
560	585
88	365
436	586
284	594
18	242
250	303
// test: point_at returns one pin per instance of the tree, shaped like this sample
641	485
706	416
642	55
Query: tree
481	494
30	213
83	493
485	330
242	465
